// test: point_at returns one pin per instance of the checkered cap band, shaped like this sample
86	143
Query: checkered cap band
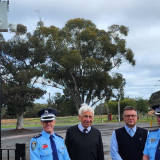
157	111
48	117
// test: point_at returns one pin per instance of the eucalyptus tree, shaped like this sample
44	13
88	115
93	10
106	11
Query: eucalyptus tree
81	57
20	57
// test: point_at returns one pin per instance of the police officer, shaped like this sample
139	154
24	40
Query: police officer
152	146
47	145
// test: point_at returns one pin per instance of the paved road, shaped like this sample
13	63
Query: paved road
10	138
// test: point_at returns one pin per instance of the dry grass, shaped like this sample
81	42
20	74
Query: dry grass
59	120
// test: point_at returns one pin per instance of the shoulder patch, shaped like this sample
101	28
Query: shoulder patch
154	130
58	135
33	145
37	136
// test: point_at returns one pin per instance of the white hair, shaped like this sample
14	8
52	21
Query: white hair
85	107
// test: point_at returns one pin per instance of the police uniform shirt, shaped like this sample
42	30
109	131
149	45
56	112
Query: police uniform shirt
152	143
40	147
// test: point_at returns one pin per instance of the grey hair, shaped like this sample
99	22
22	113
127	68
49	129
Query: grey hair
85	107
129	108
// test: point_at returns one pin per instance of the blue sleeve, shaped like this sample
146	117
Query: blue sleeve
34	152
114	148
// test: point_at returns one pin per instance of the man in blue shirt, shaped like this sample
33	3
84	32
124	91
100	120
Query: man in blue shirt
47	145
127	143
152	146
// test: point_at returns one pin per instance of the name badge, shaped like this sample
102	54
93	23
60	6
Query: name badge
152	140
44	146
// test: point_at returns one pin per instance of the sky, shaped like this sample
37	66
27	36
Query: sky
141	16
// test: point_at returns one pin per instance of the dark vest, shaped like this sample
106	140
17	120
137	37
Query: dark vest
131	148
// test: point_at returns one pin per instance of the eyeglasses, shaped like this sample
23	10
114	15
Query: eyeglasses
128	116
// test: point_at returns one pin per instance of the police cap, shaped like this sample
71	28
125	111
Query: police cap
47	114
157	109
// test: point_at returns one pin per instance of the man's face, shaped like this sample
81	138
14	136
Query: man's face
48	126
158	120
130	118
86	119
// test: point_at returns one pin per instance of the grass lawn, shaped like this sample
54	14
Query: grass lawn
69	120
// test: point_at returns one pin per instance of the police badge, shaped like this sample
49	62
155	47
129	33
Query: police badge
33	145
152	140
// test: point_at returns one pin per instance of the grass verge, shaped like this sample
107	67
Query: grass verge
70	120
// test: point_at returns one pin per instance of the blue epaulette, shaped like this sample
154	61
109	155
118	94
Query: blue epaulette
37	136
58	135
154	130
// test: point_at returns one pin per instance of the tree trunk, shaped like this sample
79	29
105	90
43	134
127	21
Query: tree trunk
20	118
19	122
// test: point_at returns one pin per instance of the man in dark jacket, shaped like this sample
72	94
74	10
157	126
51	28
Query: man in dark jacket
83	141
127	143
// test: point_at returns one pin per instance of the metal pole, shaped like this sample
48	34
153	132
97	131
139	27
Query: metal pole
49	101
119	112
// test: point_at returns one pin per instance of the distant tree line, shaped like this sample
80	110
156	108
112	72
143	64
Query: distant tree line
63	104
142	106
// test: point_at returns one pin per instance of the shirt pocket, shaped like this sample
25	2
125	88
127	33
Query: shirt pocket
45	152
61	150
152	149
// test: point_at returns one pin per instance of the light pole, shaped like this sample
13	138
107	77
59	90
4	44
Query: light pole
49	100
119	114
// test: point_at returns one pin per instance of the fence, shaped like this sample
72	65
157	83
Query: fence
19	152
140	118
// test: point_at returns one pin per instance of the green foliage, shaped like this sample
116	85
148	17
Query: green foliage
77	58
64	105
79	24
71	60
154	99
101	109
32	112
21	29
127	102
11	110
20	71
142	105
1	36
80	57
113	105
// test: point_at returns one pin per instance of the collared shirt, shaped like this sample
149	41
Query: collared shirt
151	144
128	129
114	145
81	128
40	147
